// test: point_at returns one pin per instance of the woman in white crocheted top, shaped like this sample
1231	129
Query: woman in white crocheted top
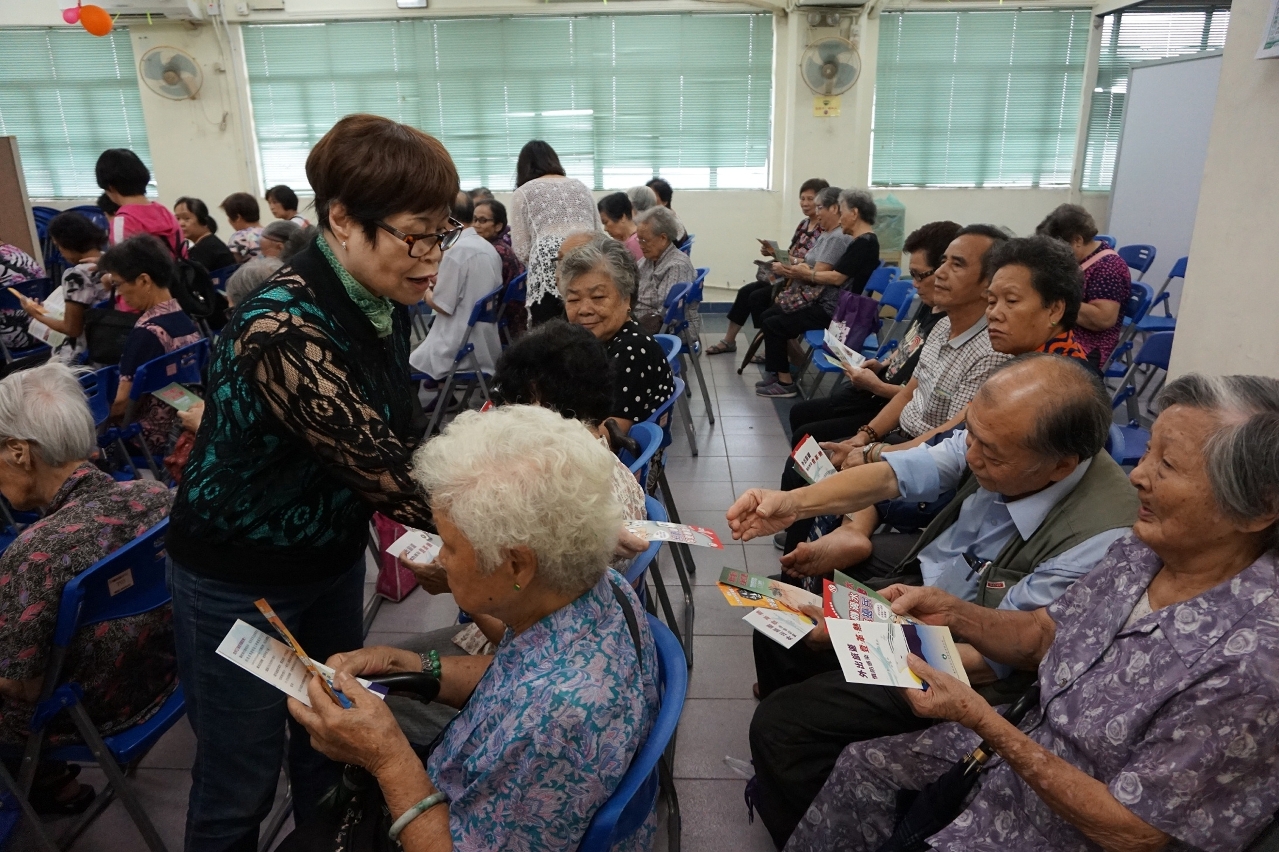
546	208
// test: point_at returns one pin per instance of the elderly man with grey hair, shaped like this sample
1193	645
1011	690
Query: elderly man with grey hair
662	266
598	281
1037	504
126	667
250	276
548	724
275	236
642	198
1157	683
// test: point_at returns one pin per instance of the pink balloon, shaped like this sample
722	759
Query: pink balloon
72	15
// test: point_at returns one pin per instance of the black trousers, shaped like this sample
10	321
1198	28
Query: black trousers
549	307
837	416
809	713
779	327
750	303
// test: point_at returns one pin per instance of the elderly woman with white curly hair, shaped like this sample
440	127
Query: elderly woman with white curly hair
549	724
1157	726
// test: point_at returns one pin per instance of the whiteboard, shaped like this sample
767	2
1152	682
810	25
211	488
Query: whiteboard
1160	162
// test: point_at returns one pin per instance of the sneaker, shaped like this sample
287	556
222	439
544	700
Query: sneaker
769	379
777	390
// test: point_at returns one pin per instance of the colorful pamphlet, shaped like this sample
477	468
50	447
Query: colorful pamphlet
416	546
875	652
745	597
848	599
834	344
781	255
177	396
811	461
325	681
784	628
678	533
277	664
757	588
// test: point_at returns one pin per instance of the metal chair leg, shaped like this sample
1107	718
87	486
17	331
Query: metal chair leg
701	381
659	586
674	821
34	826
687	417
115	777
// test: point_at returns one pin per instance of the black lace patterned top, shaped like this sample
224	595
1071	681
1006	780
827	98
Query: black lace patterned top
308	428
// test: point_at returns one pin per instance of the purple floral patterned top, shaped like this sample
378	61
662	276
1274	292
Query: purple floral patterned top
550	730
1107	279
126	667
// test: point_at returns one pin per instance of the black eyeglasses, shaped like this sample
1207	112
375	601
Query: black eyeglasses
420	245
920	276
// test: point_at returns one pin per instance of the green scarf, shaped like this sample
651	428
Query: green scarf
377	309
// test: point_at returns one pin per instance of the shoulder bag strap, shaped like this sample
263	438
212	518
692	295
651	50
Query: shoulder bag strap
1096	257
631	623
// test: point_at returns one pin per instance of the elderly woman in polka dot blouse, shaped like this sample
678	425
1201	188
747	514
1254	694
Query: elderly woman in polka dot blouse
598	280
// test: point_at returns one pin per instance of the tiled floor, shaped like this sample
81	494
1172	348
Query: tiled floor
744	448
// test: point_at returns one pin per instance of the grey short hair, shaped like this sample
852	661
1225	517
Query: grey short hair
828	197
861	201
602	251
521	475
1074	419
250	277
642	198
1242	456
46	405
662	221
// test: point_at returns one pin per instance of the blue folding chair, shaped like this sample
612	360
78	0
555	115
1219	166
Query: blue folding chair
898	295
1107	240
671	345
184	366
649	438
636	794
99	390
687	245
637	572
675	322
33	288
880	279
681	554
14	805
516	294
1138	256
1115	443
125	583
94	214
485	311
1154	353
1138	305
1167	322
220	277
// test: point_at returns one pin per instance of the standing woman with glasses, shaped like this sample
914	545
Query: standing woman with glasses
308	428
547	206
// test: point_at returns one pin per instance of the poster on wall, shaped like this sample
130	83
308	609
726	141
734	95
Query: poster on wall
1270	38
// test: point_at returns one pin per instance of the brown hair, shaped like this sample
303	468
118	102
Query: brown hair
377	168
1067	222
241	205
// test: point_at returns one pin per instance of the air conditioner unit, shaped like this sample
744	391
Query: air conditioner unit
829	4
177	10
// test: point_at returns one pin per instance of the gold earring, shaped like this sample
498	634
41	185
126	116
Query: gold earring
517	587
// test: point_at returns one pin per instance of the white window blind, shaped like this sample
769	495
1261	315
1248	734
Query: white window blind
621	98
1139	36
986	98
68	96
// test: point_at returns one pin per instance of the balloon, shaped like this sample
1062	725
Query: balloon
96	20
72	15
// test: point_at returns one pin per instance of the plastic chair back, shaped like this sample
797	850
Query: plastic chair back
687	245
128	582
184	366
1107	240
52	259
898	294
94	214
670	347
676	305
880	279
629	806
1155	350
32	288
517	290
1138	257
486	309
699	283
1115	443
1179	268
654	511
662	416
220	277
99	389
649	438
1139	301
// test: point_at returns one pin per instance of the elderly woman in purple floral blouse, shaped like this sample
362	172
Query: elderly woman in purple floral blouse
1158	725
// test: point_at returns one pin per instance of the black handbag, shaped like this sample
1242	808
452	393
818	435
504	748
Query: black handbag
105	331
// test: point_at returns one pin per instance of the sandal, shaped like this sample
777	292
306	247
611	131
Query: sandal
722	347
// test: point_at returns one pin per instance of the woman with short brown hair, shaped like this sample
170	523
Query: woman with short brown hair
308	428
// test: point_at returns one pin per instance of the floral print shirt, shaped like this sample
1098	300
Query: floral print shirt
1175	712
1106	278
126	667
16	266
246	242
803	239
551	729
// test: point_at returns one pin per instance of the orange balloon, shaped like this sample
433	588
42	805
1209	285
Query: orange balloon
96	20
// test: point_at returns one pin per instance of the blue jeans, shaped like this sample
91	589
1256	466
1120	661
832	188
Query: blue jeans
239	720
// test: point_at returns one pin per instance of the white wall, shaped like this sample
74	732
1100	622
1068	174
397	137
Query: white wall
1227	322
195	152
